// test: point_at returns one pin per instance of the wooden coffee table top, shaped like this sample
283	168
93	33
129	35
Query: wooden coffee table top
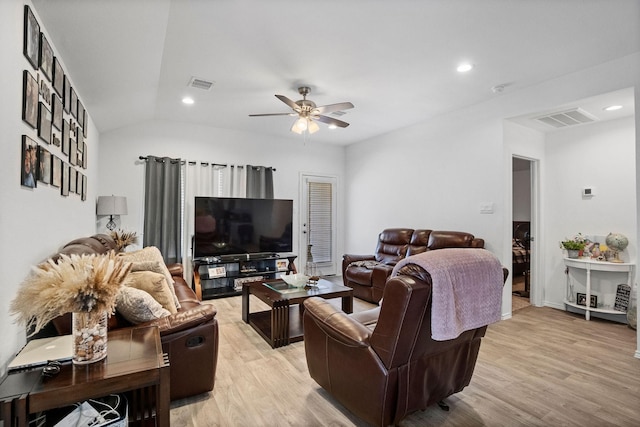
269	291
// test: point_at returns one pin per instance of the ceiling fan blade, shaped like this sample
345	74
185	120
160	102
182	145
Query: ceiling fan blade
330	108
272	114
330	121
289	102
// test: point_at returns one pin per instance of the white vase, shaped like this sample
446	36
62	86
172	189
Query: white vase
89	330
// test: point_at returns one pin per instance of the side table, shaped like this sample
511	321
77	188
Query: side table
134	364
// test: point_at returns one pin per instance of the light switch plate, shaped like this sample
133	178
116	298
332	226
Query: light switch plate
486	208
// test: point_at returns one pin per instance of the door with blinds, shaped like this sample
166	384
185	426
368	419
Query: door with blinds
318	223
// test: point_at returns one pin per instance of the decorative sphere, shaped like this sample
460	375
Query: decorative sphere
617	241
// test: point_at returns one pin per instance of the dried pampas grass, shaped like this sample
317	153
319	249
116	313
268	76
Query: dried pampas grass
124	238
75	283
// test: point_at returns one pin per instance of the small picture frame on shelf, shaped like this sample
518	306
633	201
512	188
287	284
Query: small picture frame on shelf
623	292
281	265
582	300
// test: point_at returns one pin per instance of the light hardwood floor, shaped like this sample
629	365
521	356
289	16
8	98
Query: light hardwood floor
543	367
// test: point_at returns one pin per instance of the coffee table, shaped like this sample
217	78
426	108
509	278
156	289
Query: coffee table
282	323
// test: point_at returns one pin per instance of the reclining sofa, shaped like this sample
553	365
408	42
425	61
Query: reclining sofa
368	274
189	337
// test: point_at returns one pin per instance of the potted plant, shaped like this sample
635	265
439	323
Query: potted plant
574	245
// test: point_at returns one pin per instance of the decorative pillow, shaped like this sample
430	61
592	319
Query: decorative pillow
137	306
155	285
151	257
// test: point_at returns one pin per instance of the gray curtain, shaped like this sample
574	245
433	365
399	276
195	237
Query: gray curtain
259	182
162	207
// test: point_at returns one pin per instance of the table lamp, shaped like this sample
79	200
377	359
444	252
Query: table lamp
111	205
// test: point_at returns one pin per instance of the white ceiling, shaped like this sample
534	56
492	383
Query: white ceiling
131	60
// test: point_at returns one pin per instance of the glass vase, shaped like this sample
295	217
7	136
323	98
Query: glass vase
89	336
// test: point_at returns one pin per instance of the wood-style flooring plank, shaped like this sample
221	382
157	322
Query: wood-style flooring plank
542	367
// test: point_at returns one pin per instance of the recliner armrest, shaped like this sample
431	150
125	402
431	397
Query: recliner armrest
335	323
176	269
348	259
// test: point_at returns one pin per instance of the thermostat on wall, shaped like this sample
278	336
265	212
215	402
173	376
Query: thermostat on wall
588	192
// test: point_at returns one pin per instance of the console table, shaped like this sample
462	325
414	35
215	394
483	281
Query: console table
590	265
135	364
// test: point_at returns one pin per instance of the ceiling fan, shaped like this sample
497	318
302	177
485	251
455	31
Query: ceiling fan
308	113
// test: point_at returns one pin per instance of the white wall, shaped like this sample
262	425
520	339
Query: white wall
122	173
600	155
34	223
435	174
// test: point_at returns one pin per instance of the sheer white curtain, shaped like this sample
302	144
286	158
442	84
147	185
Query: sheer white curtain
203	179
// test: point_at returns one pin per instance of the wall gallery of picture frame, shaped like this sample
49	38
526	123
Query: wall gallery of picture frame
54	148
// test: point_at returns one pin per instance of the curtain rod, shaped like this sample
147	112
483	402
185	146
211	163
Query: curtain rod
203	163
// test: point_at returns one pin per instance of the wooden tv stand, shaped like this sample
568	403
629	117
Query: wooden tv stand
223	276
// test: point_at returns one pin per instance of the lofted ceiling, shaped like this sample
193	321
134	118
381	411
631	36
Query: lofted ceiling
131	60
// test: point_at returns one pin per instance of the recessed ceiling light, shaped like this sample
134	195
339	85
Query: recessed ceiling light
464	67
612	108
187	100
332	126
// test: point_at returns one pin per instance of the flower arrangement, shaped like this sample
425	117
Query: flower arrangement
577	242
76	283
124	238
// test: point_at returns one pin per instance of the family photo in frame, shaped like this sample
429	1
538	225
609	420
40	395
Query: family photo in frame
582	300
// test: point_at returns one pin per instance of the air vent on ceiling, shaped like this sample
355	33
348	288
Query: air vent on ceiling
562	119
338	113
200	83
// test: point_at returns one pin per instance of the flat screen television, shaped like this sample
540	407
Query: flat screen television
234	226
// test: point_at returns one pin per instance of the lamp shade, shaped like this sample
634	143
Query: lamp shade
112	205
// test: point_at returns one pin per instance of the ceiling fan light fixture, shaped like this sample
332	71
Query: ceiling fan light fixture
332	126
313	127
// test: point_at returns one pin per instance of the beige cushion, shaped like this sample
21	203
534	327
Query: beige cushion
155	285
137	306
150	258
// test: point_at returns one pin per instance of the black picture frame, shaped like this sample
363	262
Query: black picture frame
80	114
44	165
29	166
46	57
73	152
83	196
58	77
72	180
84	154
74	103
30	99
44	123
56	171
64	182
66	136
66	99
581	299
57	114
31	44
86	124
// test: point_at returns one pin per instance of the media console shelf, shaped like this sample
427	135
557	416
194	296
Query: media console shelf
219	277
590	265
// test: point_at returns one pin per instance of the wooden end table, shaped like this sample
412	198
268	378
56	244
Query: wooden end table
282	324
135	364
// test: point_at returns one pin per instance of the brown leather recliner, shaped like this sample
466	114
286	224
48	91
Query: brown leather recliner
382	364
367	274
189	337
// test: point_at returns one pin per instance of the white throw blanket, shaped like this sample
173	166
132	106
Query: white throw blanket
467	289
